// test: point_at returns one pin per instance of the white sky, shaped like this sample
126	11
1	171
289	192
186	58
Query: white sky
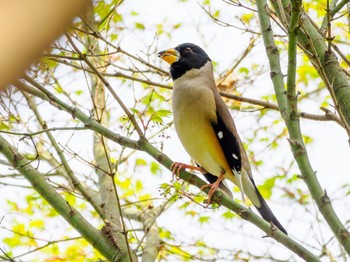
329	153
328	156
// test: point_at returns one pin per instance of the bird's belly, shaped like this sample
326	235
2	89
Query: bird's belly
198	138
194	110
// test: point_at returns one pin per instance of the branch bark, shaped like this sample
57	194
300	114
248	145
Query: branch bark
242	211
148	148
287	104
107	189
95	237
73	179
264	104
325	62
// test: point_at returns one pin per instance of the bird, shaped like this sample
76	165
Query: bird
206	128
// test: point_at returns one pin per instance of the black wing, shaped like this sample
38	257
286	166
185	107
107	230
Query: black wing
229	144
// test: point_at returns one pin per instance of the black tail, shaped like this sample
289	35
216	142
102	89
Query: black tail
266	212
264	209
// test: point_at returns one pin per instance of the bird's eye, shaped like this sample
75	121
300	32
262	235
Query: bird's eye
188	50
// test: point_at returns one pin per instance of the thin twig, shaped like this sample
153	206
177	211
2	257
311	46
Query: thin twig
109	87
44	131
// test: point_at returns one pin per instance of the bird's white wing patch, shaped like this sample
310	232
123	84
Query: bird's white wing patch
220	135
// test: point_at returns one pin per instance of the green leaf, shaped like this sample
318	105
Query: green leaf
135	110
140	26
216	14
12	241
140	162
19	228
155	168
125	184
177	26
266	188
38	223
228	215
177	185
157	117
71	199
307	139
246	18
165	234
113	37
59	89
200	198
204	219
243	70
138	185
49	62
4	126
191	213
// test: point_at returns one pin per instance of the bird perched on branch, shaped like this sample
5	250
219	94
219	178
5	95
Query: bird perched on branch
206	128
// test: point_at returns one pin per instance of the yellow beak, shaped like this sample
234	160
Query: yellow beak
170	55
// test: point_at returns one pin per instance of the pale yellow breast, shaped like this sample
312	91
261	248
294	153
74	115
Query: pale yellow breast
194	109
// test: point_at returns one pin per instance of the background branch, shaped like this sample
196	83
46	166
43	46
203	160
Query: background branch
296	141
72	216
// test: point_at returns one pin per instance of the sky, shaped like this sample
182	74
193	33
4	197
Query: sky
329	153
329	157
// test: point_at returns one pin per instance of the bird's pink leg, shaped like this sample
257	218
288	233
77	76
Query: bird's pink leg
176	167
213	186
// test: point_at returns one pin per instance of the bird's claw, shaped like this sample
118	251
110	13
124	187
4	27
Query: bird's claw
176	168
213	188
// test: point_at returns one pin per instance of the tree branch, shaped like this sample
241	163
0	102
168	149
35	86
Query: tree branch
333	9
242	211
152	242
74	180
109	87
77	113
269	105
107	189
287	105
264	104
61	206
145	146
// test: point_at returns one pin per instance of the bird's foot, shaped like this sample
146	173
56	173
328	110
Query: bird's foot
176	168
213	187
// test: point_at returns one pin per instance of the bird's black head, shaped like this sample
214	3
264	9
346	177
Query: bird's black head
183	58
